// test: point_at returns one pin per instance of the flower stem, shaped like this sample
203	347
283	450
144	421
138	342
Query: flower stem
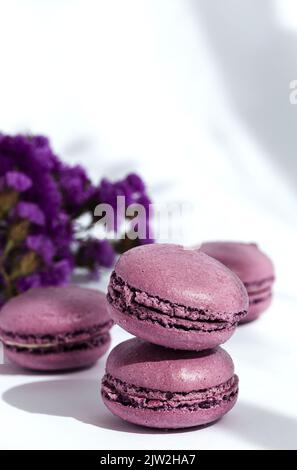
7	282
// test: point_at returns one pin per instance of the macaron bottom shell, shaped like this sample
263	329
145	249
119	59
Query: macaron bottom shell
174	338
58	361
169	419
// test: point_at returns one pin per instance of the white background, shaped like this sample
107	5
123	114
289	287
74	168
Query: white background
193	94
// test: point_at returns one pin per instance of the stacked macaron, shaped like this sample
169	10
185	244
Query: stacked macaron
182	304
164	388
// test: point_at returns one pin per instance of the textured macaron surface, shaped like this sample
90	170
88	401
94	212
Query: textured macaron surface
245	259
179	288
146	378
146	365
53	311
55	320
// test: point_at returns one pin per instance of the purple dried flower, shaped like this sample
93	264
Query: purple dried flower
107	193
29	166
132	187
40	200
42	245
104	253
33	157
94	252
40	141
76	188
30	211
145	201
73	181
61	230
17	180
135	182
28	282
57	274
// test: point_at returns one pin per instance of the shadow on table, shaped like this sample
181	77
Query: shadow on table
80	399
76	398
265	428
11	369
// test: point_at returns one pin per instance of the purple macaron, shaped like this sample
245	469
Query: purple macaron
55	328
162	388
252	266
176	297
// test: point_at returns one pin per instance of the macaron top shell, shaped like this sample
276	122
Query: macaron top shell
53	311
149	366
245	259
183	276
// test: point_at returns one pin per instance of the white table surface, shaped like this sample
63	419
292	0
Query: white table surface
65	411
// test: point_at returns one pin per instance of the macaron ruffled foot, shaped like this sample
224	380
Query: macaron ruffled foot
157	387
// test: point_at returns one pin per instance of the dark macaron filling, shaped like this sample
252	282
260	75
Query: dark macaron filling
45	344
259	291
139	304
125	394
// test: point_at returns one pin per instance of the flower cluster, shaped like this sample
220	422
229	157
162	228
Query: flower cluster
41	201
